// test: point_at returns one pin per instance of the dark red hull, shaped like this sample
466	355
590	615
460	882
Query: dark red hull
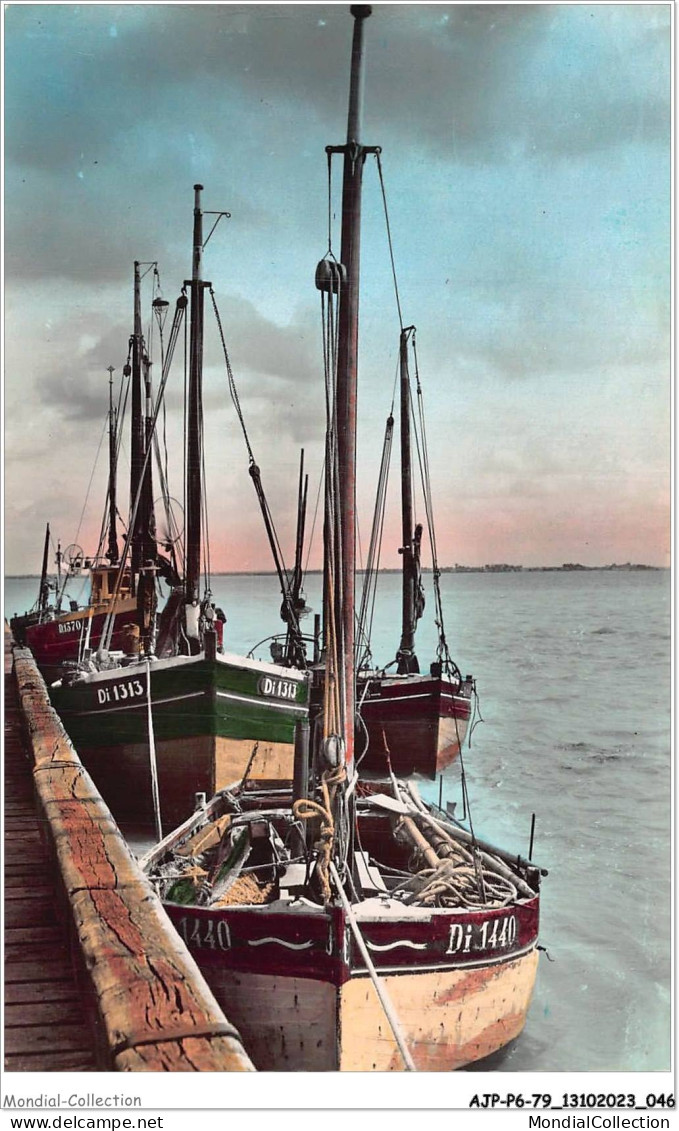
318	944
420	720
55	643
292	975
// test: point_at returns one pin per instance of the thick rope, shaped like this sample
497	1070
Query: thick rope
380	989
152	755
306	809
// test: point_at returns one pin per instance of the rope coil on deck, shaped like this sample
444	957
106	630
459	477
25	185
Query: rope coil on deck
306	809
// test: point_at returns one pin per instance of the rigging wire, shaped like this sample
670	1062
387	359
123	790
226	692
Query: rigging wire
443	651
284	575
369	592
180	309
186	414
371	577
389	239
205	524
313	524
89	485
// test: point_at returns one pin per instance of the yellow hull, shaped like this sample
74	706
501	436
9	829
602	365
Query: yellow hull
448	1018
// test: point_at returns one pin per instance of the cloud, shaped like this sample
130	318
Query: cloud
484	78
526	156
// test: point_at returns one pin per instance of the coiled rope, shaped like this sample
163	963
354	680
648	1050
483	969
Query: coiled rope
306	809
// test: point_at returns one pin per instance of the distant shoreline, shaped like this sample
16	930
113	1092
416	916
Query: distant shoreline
568	567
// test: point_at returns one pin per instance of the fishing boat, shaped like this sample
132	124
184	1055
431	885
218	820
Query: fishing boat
41	609
416	722
344	924
176	713
416	947
60	637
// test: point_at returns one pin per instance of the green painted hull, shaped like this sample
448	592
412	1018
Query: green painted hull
197	698
207	718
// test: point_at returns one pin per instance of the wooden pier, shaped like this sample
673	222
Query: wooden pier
96	978
44	1026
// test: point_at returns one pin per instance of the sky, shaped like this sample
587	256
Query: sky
526	161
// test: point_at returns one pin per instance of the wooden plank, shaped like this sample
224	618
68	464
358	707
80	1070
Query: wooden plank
142	981
48	1013
192	1054
16	854
19	870
141	972
31	865
75	1061
32	970
38	952
30	936
52	1038
28	913
37	991
42	892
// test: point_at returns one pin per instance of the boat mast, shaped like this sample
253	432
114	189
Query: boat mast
194	461
137	444
146	503
407	660
43	597
347	370
112	553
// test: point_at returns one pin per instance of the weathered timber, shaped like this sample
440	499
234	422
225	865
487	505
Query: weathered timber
26	993
44	1028
150	1006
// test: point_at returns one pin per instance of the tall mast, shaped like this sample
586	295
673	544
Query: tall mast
194	459
407	661
137	445
44	586
148	516
347	370
112	553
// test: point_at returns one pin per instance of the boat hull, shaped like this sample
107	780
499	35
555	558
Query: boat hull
420	720
294	983
206	718
448	1018
56	643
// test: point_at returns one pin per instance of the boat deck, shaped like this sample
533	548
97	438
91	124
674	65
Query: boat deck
44	1026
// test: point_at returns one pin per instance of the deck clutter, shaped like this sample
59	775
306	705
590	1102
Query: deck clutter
342	923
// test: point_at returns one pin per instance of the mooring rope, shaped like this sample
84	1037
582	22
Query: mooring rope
380	988
306	809
155	792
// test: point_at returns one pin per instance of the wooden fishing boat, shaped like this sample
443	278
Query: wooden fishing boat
211	715
59	638
41	609
173	713
415	722
344	924
301	975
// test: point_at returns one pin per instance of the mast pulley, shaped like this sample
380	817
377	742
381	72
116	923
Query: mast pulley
160	308
331	275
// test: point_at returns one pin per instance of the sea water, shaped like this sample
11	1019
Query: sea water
573	676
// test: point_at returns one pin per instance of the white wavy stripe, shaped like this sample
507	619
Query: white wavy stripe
281	942
393	945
